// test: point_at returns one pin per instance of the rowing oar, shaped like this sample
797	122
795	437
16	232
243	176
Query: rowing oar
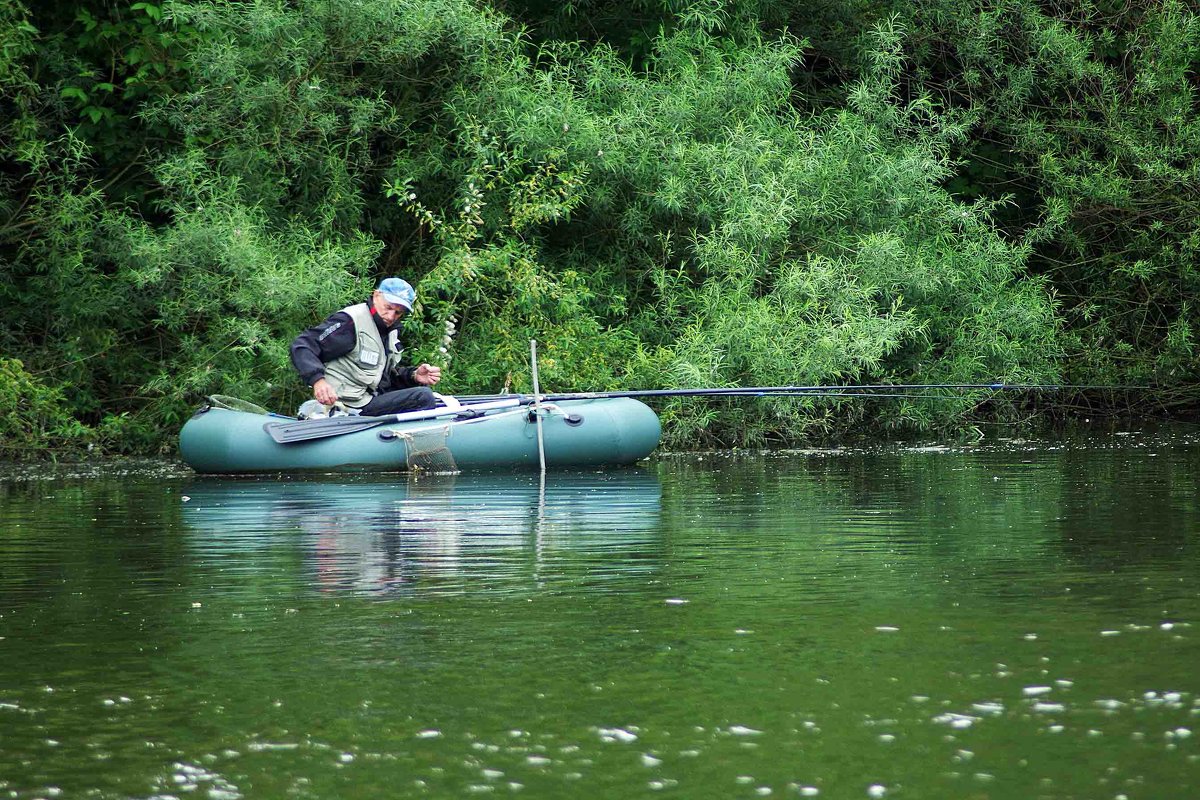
307	430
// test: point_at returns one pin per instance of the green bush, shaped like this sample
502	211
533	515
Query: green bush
34	420
1084	116
689	195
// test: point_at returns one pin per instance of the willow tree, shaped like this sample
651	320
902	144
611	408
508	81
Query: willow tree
735	239
1085	121
673	219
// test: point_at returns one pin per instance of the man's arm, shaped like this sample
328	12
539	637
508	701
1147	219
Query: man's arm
333	338
407	377
399	378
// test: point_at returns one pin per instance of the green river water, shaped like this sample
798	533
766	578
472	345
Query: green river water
1018	620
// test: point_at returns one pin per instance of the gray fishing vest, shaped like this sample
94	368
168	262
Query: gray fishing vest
356	375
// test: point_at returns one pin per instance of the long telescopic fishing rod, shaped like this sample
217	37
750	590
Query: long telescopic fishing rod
827	390
290	431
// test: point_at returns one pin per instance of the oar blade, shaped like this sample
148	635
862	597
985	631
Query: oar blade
308	429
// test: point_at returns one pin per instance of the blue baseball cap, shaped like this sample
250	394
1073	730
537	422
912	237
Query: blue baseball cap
398	291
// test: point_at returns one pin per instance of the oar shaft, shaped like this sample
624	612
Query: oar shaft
307	430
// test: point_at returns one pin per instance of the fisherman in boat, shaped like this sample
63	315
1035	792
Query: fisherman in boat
354	357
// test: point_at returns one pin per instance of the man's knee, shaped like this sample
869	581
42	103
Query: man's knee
416	398
422	398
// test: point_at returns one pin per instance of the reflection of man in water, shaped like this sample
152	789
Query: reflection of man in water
348	558
383	552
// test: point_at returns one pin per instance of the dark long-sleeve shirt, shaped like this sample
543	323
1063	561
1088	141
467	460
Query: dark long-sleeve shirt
334	338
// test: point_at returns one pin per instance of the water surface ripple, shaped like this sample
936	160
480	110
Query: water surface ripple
1011	621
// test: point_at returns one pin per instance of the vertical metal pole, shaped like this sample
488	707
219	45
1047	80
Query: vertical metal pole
539	526
537	405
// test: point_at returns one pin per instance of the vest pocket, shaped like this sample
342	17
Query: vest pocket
369	356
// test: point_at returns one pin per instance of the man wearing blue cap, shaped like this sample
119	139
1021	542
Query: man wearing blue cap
354	356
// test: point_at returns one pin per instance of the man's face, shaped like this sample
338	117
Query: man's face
390	313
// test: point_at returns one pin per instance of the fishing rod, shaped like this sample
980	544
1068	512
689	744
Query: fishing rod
471	406
827	390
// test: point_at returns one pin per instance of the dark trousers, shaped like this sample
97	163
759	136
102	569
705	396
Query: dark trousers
417	398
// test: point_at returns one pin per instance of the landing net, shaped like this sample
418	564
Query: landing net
427	450
235	404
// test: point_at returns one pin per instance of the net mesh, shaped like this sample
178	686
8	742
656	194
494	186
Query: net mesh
235	404
427	450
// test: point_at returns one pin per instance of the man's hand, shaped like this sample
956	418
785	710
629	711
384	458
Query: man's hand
427	374
323	391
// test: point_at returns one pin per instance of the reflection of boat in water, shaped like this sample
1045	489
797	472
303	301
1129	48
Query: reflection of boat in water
378	535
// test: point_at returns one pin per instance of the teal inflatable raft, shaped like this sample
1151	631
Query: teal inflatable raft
575	433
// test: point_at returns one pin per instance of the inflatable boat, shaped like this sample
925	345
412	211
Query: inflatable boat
496	435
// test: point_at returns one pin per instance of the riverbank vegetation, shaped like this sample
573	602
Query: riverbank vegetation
663	193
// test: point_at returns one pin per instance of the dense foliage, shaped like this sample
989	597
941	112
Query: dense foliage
662	193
